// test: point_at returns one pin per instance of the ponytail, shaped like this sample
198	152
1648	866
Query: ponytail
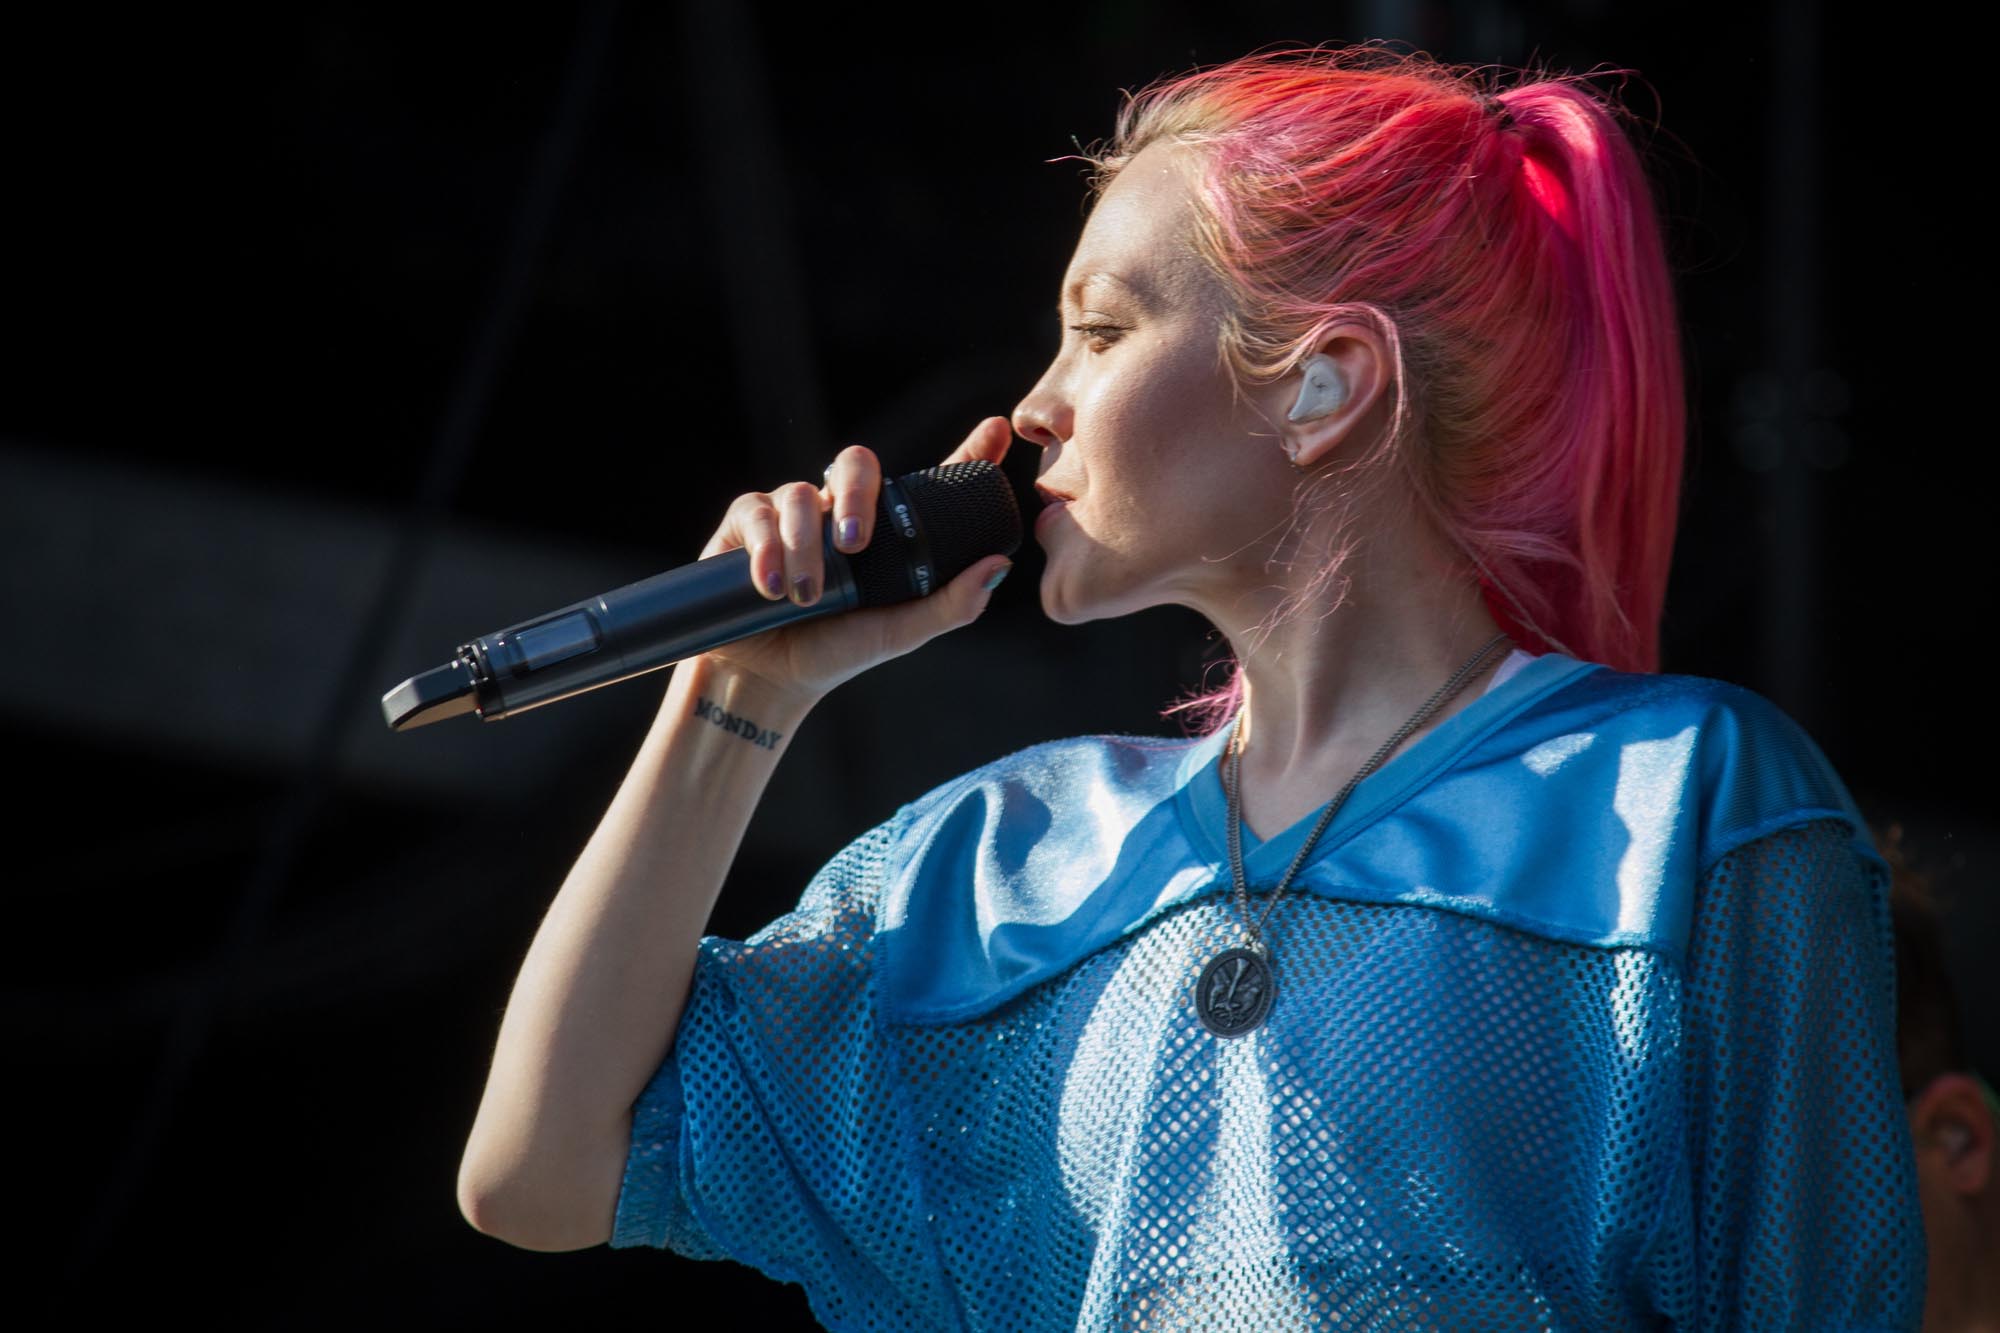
1614	428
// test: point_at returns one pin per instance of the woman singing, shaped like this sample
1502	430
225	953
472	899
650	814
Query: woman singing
1464	974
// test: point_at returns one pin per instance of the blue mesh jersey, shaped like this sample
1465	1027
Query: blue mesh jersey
1584	1021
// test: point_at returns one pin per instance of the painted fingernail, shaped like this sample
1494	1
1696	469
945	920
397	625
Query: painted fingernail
774	583
850	531
993	579
802	589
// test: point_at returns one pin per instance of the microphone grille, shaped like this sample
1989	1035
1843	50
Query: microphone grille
964	512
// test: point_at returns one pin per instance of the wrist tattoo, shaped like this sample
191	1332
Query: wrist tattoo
737	726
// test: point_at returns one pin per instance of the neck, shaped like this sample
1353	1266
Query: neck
1328	686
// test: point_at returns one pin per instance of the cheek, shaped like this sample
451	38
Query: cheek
1169	424
1177	394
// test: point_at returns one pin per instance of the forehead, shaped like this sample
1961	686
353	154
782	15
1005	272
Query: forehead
1139	239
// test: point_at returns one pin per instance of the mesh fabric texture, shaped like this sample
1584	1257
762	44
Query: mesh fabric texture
1446	1123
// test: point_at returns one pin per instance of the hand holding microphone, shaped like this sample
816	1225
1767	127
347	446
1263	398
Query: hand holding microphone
904	559
782	531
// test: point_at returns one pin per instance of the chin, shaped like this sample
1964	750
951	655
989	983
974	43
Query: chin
1055	609
1070	606
1056	605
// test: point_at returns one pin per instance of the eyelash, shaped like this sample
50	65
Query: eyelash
1098	331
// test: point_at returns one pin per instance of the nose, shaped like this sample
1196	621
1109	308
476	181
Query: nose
1043	418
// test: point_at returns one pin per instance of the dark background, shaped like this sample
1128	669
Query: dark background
336	336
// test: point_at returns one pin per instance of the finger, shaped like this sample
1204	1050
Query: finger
854	481
799	526
988	441
752	524
961	601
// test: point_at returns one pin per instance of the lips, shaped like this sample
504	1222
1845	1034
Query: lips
1053	503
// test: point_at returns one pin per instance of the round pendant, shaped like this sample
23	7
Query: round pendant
1234	993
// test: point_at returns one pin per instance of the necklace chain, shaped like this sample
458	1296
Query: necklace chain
1445	693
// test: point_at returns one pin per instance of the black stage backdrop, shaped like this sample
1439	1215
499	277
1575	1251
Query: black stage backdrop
335	336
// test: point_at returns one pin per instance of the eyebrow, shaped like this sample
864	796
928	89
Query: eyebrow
1138	290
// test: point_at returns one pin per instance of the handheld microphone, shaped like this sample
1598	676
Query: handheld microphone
930	527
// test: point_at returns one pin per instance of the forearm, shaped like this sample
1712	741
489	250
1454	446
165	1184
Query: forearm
598	998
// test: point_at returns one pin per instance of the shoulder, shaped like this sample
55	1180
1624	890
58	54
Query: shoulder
1594	809
1006	874
1050	770
1093	787
1692	746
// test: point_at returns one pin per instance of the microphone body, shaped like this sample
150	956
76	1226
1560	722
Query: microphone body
635	629
929	527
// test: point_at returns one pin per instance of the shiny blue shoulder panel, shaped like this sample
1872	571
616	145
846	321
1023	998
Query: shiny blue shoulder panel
1593	815
1571	801
1010	874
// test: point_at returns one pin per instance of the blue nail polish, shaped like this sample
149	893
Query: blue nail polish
993	579
850	531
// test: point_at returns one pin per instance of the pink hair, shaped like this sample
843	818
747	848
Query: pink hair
1506	248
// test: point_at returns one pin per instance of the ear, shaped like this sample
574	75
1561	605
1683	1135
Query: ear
1952	1128
1338	394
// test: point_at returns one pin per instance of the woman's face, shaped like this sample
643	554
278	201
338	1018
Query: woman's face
1171	489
